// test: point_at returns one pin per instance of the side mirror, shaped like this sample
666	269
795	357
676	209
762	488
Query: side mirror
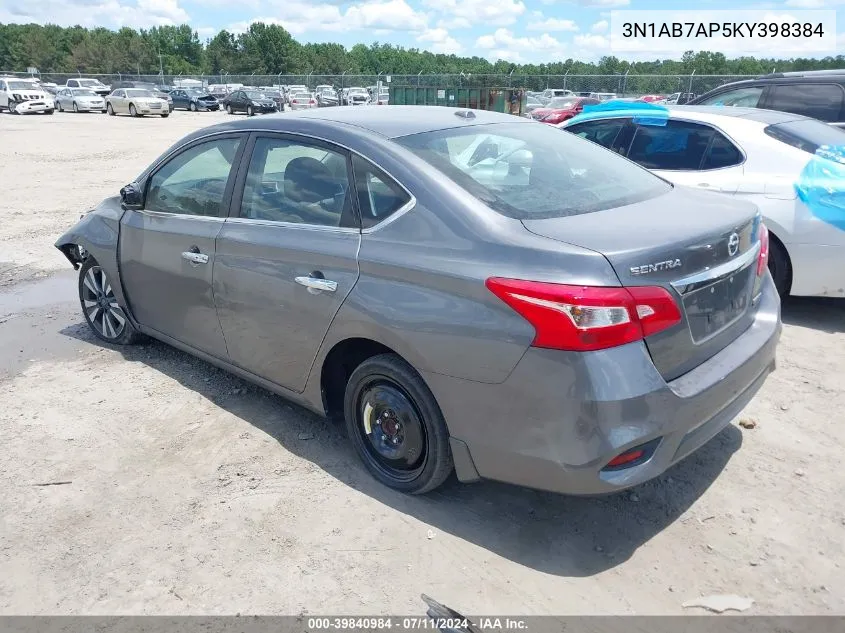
130	198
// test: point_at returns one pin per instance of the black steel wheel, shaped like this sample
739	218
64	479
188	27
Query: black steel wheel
102	312
780	267
396	426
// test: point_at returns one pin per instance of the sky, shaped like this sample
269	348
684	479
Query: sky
515	30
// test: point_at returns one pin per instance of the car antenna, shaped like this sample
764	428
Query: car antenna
465	114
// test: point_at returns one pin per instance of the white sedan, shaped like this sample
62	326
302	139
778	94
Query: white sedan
791	167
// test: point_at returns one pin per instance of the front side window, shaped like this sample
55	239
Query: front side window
529	171
817	101
379	196
194	182
292	181
678	145
741	97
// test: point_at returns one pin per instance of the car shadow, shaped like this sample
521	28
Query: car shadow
555	534
820	313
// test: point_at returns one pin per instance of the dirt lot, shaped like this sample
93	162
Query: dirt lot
192	492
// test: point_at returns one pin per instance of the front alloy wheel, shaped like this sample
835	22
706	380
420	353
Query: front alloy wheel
100	307
249	111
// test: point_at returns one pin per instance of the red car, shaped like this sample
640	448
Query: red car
651	98
561	109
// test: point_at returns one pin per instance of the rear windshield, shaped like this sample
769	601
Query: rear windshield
534	171
806	134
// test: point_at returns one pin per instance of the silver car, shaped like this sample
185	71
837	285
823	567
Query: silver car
137	102
302	101
554	323
79	100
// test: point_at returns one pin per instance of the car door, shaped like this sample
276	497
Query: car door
4	94
683	152
239	101
118	101
287	256
167	248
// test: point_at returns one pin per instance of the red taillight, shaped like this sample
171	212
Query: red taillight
584	318
763	258
294	101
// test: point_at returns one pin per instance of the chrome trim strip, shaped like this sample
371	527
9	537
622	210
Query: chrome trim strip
186	216
718	272
396	214
292	225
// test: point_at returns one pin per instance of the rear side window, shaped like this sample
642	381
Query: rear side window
379	196
722	153
819	101
603	132
531	171
806	134
678	145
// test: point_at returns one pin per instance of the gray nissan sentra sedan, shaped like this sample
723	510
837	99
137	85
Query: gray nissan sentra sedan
470	291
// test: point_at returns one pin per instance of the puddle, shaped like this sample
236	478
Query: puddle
59	288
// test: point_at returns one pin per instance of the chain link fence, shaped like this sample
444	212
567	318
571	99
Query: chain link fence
623	85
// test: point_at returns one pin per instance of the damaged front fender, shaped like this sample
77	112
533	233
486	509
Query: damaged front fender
96	235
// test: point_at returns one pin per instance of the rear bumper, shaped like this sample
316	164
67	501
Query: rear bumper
818	269
560	417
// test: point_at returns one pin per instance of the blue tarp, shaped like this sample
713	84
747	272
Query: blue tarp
821	185
642	112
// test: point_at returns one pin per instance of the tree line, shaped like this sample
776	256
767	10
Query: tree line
268	49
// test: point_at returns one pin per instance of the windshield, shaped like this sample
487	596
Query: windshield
563	102
807	134
22	85
137	92
254	94
356	91
84	92
530	171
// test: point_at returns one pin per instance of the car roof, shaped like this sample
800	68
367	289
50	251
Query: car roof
392	122
711	114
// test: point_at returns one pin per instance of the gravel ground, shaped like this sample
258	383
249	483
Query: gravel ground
181	489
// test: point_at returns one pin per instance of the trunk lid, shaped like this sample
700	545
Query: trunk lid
700	246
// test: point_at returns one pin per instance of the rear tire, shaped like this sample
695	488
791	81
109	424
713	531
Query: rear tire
396	426
60	107
102	313
780	267
164	116
49	111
